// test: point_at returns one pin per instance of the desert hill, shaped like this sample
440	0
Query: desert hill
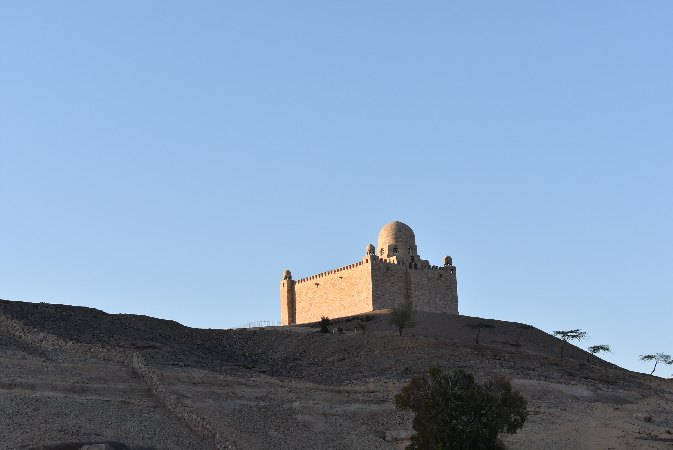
73	376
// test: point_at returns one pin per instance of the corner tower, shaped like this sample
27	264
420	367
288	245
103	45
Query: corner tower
288	299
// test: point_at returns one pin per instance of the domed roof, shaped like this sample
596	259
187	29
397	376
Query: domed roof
397	233
397	230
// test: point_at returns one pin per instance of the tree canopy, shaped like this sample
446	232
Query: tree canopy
594	349
657	358
570	335
454	412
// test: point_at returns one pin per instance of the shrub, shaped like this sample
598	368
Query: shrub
453	412
324	324
401	317
362	325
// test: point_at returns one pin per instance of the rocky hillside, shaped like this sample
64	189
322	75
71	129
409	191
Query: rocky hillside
73	376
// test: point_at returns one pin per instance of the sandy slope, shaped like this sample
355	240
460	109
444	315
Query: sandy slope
293	387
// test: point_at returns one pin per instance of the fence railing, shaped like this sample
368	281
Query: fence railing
259	324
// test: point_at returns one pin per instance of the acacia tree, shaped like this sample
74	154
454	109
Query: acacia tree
594	349
657	358
454	412
401	317
479	326
522	328
570	335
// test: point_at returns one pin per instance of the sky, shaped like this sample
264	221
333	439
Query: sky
172	158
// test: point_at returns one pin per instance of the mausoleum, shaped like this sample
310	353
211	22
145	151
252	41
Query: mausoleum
387	276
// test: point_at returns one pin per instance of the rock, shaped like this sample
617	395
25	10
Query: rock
398	435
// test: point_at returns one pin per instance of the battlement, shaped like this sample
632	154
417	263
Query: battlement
329	272
372	260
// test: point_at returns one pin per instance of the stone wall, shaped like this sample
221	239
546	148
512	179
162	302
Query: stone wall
370	284
288	302
336	293
433	289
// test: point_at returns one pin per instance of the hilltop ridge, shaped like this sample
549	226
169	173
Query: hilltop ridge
294	387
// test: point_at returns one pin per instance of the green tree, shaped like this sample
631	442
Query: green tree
402	317
657	358
453	412
479	326
594	349
570	335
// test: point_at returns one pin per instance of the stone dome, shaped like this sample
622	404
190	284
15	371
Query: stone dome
397	235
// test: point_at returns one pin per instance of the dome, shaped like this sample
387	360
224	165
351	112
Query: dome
397	235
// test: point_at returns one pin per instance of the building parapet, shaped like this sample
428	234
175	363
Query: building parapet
330	272
368	260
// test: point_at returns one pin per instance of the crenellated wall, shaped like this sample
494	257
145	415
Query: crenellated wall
370	284
335	293
430	289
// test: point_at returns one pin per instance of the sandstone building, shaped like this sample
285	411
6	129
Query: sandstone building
385	278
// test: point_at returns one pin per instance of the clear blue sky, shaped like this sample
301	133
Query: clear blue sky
173	158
